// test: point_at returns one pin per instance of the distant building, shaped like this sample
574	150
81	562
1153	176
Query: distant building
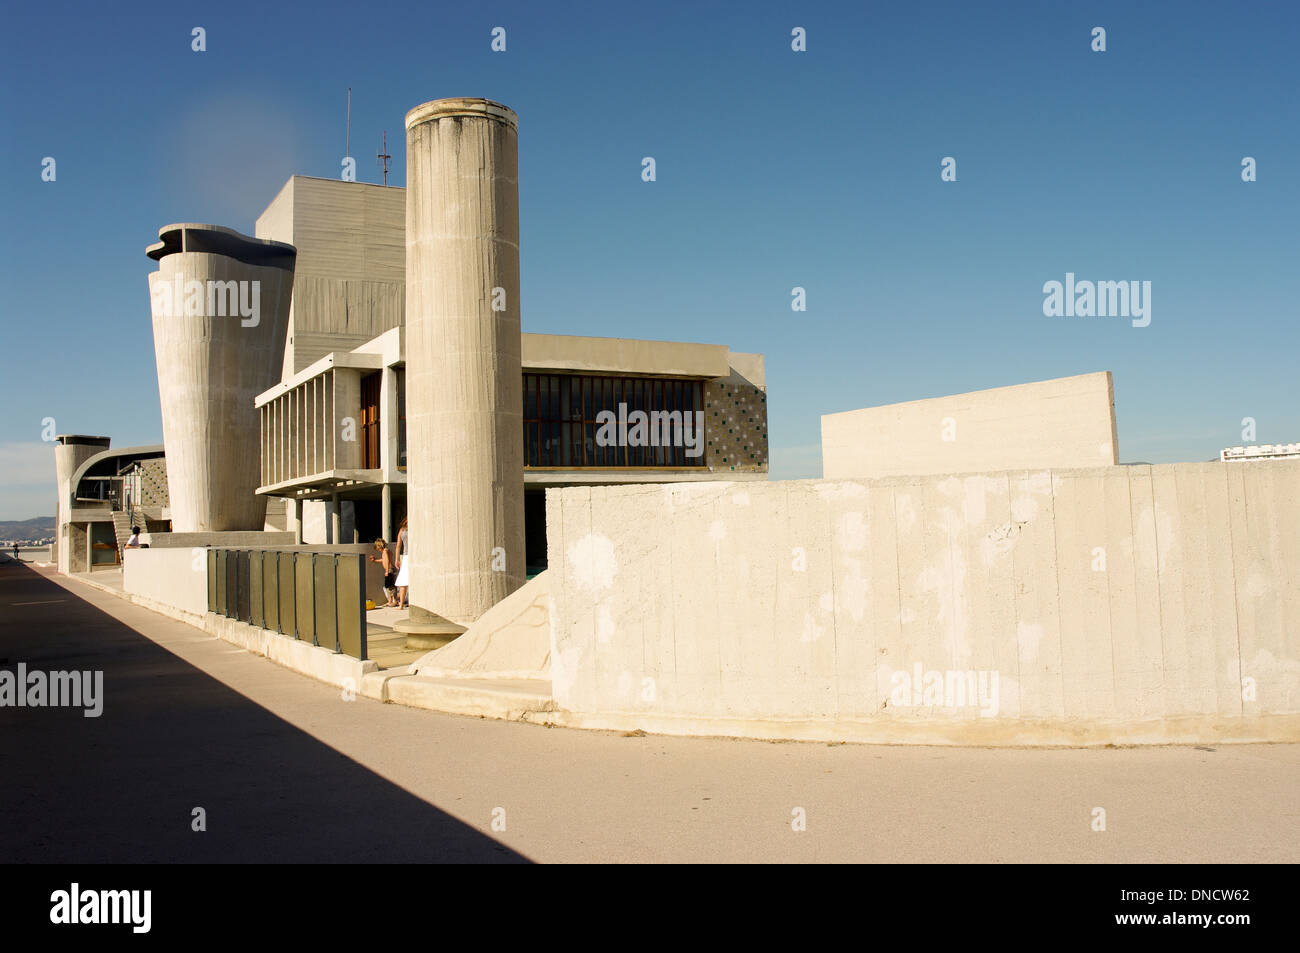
1267	451
102	493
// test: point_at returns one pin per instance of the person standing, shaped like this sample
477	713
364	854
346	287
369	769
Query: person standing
385	559
403	565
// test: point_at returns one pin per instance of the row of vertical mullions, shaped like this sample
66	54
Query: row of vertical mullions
549	415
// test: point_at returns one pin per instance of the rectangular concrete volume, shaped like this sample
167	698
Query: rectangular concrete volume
1066	422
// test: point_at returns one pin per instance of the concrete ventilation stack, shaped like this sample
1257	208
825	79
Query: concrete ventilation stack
464	386
71	451
214	357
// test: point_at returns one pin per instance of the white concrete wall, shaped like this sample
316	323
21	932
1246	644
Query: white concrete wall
1066	422
1114	604
171	577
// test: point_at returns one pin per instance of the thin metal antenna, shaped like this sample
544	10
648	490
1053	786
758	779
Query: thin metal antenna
383	157
347	147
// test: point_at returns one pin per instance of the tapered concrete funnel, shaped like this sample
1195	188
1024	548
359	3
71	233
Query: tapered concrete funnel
464	388
220	313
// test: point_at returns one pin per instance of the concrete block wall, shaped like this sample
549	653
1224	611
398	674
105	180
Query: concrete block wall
1138	604
1066	422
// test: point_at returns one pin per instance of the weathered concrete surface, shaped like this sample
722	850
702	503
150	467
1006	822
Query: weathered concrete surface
70	452
464	385
348	277
1125	604
191	720
512	640
212	366
170	577
1066	422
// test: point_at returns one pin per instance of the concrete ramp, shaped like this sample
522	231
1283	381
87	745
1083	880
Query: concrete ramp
512	640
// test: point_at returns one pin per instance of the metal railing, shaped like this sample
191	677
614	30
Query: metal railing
316	597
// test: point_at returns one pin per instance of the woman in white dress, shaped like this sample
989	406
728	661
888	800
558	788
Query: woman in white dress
403	564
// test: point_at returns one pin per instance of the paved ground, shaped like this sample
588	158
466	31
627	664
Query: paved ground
288	770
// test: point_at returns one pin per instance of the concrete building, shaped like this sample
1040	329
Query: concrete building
334	436
102	493
1267	451
335	442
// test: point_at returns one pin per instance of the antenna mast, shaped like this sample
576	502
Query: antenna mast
347	147
383	157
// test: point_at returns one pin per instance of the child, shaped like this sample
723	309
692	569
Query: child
385	558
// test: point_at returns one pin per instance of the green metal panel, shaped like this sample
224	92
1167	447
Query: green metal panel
302	593
232	584
351	580
255	596
220	556
212	580
244	594
326	596
270	591
286	595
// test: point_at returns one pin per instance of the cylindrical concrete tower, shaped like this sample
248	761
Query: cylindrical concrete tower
220	313
464	384
71	451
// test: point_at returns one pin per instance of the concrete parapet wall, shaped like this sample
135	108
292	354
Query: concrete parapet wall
170	577
230	540
1066	422
1138	604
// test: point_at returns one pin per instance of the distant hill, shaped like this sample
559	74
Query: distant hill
38	527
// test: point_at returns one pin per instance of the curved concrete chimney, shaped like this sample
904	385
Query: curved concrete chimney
220	313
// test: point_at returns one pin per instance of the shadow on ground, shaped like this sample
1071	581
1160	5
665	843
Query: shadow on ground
121	787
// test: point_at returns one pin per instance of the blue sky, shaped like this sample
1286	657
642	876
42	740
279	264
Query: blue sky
775	169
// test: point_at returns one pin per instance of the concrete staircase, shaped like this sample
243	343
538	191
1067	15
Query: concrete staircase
122	530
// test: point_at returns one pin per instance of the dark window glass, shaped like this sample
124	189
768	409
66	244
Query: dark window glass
560	420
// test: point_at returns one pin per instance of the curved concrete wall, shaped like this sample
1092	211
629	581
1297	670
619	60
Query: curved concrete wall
464	384
212	364
70	453
1140	604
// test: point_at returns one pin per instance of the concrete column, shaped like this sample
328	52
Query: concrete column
336	521
464	384
297	521
386	512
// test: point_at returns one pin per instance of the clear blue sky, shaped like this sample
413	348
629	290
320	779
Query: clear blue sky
775	169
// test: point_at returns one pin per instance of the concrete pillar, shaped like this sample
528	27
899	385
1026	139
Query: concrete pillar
336	521
386	512
297	521
464	394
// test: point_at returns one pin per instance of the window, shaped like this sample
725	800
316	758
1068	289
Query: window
401	418
370	420
561	427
